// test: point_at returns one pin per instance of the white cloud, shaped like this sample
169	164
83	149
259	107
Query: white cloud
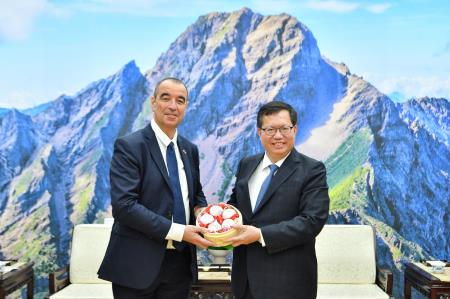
17	17
378	8
432	86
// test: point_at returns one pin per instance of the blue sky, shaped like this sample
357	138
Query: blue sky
49	48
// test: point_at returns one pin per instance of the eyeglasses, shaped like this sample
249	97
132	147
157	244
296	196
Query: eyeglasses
285	131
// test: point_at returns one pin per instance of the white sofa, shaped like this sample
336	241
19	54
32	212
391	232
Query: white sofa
89	244
347	266
345	253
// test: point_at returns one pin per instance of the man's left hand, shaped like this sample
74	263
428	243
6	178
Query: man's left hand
247	234
192	234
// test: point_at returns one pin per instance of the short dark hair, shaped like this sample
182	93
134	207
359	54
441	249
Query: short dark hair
275	107
172	79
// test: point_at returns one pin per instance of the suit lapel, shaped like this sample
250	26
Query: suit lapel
187	168
286	170
248	172
155	151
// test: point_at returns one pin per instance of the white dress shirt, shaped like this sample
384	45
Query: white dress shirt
176	230
256	180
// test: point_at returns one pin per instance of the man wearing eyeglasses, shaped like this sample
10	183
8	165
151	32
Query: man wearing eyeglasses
283	198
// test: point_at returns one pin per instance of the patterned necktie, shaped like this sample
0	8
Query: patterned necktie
179	215
265	185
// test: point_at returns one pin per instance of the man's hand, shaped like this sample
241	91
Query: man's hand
247	234
192	235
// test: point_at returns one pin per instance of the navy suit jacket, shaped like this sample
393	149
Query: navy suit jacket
142	205
291	214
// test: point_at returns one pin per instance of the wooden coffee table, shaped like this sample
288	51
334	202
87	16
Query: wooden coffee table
419	276
214	279
21	274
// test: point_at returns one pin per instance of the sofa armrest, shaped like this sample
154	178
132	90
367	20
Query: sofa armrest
58	280
385	280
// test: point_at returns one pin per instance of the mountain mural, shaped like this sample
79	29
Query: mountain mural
388	163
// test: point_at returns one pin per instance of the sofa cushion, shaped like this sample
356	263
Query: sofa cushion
346	254
349	291
89	244
85	291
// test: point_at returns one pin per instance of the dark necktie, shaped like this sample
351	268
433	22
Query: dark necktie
179	215
265	185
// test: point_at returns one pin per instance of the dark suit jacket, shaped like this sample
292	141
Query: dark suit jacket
290	216
142	205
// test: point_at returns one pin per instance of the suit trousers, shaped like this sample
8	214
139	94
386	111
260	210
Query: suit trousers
173	281
248	294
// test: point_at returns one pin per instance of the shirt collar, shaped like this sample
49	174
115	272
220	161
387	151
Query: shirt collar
162	137
266	161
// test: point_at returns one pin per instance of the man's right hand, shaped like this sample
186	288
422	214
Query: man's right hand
192	234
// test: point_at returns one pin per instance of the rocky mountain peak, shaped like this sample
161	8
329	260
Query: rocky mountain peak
17	132
431	114
129	73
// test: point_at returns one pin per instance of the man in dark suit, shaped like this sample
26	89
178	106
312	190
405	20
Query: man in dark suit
283	198
155	189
